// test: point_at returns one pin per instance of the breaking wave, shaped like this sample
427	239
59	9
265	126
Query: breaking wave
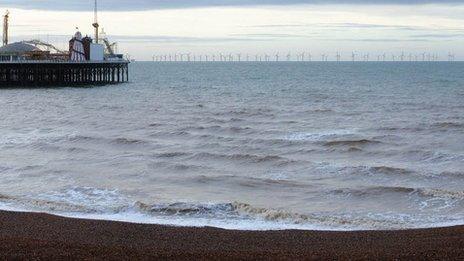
87	202
356	142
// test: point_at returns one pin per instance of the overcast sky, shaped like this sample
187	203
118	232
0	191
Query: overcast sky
147	27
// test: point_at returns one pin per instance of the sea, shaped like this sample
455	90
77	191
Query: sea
247	146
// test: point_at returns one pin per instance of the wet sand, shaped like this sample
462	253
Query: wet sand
42	236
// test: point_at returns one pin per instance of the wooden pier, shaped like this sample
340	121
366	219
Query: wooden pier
58	74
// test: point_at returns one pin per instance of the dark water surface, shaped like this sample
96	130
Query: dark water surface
244	145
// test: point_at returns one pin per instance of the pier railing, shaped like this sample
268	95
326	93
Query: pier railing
62	73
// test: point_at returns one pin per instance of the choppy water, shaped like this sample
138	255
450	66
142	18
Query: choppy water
338	146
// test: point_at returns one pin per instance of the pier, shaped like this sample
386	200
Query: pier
62	73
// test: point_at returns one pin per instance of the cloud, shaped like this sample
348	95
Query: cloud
440	36
132	5
345	26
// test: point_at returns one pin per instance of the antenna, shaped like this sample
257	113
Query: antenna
95	21
5	27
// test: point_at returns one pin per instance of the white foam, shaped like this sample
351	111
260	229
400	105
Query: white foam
320	136
102	204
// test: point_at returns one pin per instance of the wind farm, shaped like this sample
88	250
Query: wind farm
354	56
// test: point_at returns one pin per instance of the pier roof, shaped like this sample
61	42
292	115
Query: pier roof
18	48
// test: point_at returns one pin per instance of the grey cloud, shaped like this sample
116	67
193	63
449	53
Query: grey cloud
125	5
269	35
442	36
149	38
379	40
344	26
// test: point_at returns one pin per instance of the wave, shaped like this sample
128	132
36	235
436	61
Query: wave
249	158
174	154
356	142
421	192
254	182
390	170
320	136
448	125
218	128
110	204
128	141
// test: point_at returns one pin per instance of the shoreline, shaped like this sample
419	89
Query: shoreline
25	235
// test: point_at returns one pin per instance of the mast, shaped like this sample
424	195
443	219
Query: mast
95	23
5	27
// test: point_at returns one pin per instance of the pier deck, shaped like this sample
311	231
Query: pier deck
56	73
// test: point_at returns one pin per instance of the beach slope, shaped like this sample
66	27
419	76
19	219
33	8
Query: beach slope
42	236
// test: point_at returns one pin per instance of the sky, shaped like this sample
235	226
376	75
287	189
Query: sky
144	28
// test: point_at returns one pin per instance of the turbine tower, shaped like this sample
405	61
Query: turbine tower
95	22
353	56
5	27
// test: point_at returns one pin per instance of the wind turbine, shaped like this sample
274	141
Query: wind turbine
402	56
324	57
338	56
353	56
277	56
239	57
266	57
289	57
366	57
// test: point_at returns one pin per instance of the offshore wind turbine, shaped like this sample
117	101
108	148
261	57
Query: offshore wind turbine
239	57
266	57
338	57
324	57
289	57
277	56
353	56
366	57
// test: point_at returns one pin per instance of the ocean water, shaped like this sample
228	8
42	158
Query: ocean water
328	146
